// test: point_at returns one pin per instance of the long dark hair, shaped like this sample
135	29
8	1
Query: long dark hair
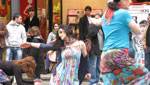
54	24
59	42
113	5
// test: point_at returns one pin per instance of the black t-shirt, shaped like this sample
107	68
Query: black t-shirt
34	22
12	69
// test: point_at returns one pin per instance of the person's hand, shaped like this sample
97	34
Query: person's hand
145	47
96	24
28	34
53	41
37	82
7	79
88	76
25	45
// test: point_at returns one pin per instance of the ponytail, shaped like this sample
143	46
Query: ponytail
113	5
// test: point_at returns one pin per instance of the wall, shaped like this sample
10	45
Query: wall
15	7
80	4
41	4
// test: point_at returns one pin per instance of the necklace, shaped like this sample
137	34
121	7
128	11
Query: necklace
69	42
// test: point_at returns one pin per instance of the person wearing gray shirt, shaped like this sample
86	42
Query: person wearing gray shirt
16	36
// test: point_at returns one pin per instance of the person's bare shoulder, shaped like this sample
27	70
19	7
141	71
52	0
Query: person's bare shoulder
82	44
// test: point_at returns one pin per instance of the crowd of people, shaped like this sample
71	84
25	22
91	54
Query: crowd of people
109	61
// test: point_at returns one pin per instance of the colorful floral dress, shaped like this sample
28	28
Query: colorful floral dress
3	77
119	68
67	70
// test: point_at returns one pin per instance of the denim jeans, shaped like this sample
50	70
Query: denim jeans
15	52
131	49
47	61
1	53
95	69
147	58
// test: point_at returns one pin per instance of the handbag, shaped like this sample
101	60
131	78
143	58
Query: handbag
88	44
52	56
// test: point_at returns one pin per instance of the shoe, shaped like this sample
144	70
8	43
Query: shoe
47	71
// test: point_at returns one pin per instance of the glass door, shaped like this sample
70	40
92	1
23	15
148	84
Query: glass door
57	11
5	10
42	15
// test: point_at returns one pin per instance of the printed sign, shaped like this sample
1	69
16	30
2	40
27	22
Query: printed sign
25	5
139	12
95	11
75	11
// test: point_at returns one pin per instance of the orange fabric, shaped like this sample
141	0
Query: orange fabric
109	14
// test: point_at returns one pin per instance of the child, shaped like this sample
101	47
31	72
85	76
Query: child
35	36
137	43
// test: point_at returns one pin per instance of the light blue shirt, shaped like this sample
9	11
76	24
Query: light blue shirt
117	31
51	37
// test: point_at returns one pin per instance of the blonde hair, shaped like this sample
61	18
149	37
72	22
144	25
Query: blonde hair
35	31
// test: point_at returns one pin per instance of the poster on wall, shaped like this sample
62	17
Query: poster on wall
25	5
75	12
5	10
139	12
73	15
96	11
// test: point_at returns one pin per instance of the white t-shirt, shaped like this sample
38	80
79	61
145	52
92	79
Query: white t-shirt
96	21
90	19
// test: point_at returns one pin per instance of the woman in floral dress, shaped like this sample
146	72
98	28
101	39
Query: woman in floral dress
67	70
3	77
71	50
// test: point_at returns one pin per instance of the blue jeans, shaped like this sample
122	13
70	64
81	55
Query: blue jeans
95	69
131	49
47	61
147	58
1	53
15	52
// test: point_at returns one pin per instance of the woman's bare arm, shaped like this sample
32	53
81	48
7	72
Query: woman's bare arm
83	48
134	27
27	45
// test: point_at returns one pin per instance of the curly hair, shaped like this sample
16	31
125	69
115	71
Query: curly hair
35	31
27	65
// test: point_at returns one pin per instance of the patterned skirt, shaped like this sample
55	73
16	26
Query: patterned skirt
119	68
